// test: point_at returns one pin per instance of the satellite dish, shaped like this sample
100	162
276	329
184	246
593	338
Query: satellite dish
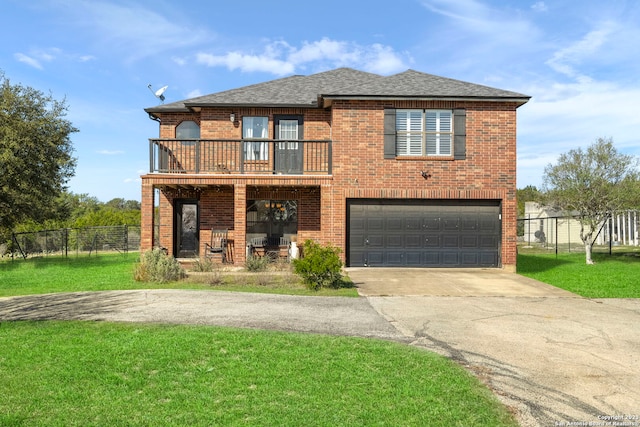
159	93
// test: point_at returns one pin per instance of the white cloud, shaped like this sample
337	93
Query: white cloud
194	93
281	58
179	61
133	31
474	17
37	57
32	62
564	60
246	63
322	50
561	117
383	60
539	6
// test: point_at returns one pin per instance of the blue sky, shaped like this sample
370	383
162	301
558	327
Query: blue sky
578	59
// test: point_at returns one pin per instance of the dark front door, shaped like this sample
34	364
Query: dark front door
186	229
288	152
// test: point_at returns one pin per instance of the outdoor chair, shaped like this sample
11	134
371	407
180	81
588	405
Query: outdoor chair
284	245
274	247
217	246
258	246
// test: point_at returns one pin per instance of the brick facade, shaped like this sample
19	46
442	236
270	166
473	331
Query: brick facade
359	170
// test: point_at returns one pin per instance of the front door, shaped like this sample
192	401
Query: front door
288	152
186	229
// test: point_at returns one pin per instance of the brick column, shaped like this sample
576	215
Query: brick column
146	216
240	224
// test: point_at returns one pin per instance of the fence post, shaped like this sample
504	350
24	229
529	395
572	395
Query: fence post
126	238
557	239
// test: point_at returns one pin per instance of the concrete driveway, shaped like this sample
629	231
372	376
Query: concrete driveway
553	357
448	282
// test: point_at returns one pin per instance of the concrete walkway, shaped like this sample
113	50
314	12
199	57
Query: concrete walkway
550	355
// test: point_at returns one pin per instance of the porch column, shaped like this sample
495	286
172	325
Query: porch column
332	223
239	223
146	216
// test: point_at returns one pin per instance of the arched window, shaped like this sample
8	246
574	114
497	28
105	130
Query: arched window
188	130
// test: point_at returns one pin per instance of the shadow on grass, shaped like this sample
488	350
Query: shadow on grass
66	306
74	261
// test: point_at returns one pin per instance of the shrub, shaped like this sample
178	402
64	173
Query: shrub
203	265
255	263
320	267
157	266
214	278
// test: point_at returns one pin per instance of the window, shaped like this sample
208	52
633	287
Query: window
424	132
255	128
188	130
288	129
272	217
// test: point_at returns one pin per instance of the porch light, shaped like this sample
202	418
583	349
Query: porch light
232	117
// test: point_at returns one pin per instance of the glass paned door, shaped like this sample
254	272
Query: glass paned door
288	152
186	229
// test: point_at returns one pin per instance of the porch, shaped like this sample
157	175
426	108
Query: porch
232	156
259	219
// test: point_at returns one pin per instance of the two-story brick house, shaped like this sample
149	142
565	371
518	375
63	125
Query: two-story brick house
404	170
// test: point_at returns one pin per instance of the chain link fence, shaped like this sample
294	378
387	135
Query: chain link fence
562	234
75	241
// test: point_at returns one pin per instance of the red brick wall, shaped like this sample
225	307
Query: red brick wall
359	169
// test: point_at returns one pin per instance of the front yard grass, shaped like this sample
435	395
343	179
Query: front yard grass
95	373
612	276
115	272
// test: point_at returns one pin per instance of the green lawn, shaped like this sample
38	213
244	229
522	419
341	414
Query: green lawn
115	272
104	374
612	276
95	373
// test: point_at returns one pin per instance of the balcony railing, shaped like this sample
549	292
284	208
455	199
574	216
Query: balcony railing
260	156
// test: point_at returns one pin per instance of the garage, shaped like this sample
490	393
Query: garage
423	233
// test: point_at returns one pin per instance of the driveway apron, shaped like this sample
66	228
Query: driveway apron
554	357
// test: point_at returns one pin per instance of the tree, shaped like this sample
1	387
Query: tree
593	184
121	204
530	193
35	154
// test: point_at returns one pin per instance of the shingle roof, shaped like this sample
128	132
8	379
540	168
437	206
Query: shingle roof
415	84
304	91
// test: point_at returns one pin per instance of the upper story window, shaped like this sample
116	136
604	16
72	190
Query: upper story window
188	130
424	132
288	129
255	128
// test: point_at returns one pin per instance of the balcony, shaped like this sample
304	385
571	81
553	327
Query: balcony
232	156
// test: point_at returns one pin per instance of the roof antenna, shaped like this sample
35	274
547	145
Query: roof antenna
159	93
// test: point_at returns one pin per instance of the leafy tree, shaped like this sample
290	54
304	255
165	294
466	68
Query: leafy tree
593	184
123	205
35	154
70	206
530	193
